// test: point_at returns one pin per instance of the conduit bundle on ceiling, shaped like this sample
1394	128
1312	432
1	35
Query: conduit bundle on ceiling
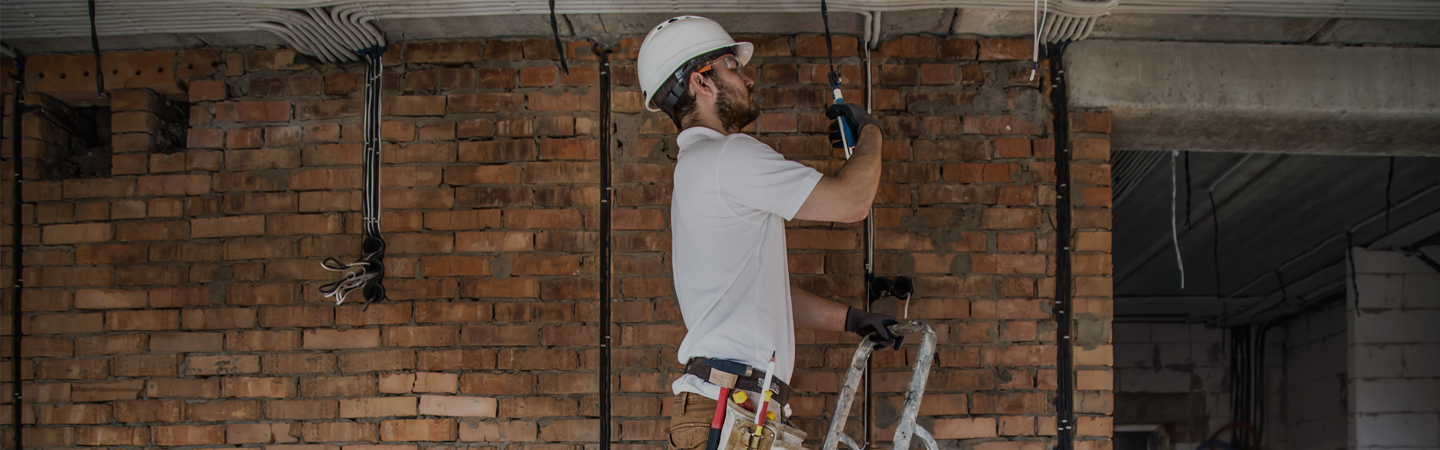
332	30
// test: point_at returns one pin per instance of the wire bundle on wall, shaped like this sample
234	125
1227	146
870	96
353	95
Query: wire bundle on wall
1247	385
1065	370
368	273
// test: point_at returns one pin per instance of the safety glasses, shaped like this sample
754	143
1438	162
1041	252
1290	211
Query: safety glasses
727	61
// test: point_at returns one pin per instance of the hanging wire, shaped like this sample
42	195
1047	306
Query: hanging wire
95	47
1350	260
1389	180
1215	246
1174	228
559	46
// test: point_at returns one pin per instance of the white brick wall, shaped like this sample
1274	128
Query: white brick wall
1393	352
1167	359
1314	379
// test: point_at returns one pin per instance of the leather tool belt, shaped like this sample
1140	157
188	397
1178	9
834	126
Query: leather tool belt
734	375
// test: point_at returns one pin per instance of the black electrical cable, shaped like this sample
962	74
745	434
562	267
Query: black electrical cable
1187	189
1215	245
559	46
606	195
17	250
1350	260
368	273
1065	408
1389	180
95	47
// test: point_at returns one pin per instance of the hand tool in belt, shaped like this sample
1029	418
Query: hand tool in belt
730	375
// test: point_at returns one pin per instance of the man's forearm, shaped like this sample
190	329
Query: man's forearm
861	173
812	311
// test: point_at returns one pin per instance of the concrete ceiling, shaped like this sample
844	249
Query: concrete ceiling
949	21
1275	209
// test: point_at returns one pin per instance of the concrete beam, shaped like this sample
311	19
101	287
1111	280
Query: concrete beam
1261	98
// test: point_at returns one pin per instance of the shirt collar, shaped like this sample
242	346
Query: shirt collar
695	134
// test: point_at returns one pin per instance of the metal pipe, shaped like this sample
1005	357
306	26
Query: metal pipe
606	204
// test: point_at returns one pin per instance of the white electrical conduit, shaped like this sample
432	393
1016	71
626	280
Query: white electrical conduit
333	30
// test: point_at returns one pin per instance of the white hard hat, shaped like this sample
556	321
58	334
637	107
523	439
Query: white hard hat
674	42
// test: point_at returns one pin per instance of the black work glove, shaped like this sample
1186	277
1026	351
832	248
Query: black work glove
855	118
876	326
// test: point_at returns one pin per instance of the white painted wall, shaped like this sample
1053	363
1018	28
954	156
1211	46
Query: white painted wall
1394	352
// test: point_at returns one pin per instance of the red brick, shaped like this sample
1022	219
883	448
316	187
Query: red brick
421	336
328	109
129	164
186	342
377	361
187	435
378	407
183	388
336	339
416	105
482	430
419	430
348	386
218	318
439	405
77	233
485	102
121	436
301	409
442	52
249	341
980	427
150	411
224	411
179	297
145	365
108	344
297	363
110	299
227	226
341	432
142	320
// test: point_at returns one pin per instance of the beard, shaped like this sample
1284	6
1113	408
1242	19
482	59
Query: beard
735	107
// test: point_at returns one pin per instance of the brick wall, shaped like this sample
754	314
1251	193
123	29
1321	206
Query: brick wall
1394	352
174	304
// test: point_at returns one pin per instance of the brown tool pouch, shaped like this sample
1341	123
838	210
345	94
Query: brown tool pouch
739	432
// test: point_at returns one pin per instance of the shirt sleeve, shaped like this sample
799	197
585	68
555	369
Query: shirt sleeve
756	176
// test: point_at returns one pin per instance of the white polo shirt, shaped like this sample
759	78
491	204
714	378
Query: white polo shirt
732	197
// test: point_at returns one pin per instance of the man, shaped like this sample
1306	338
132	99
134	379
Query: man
732	197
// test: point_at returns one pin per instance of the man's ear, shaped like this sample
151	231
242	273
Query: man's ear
701	86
